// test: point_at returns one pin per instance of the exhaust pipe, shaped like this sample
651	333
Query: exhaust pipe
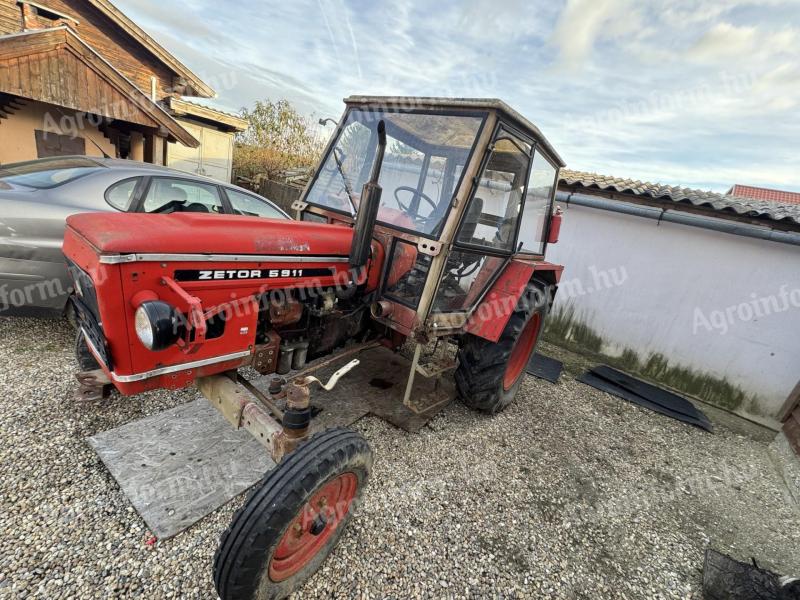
368	208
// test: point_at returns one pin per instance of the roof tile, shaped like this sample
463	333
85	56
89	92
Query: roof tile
740	205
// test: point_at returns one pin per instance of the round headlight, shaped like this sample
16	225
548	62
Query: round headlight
158	325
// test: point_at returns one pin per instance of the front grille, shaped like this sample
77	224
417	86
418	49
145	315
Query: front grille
84	288
87	312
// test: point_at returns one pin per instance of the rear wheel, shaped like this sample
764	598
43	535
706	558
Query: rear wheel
489	374
293	518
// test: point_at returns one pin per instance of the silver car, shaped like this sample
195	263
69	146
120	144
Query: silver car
37	196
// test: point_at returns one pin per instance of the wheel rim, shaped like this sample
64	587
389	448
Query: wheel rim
310	530
521	352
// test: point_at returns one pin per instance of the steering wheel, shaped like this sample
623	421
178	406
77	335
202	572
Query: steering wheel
170	206
407	208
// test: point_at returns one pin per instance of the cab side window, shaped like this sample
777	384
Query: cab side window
538	203
491	218
167	195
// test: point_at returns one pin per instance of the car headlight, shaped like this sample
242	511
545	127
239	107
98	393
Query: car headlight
158	325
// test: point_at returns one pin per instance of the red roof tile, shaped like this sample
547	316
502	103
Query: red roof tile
758	193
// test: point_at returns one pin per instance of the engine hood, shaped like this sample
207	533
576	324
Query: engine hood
193	233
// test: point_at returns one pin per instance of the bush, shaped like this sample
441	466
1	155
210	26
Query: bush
277	138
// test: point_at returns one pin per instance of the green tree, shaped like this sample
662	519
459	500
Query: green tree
277	138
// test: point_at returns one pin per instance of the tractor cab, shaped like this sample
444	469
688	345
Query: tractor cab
467	188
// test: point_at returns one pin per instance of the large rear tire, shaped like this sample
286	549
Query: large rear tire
489	374
293	518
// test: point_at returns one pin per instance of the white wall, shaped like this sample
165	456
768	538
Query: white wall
676	290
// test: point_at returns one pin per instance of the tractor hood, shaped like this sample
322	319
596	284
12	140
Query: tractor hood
193	233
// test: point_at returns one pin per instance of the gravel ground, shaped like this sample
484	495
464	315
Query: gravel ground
571	493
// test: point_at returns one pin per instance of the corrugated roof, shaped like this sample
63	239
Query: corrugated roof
767	194
739	205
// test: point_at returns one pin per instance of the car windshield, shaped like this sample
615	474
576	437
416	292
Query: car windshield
425	156
44	174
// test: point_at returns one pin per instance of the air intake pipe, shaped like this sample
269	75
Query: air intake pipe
368	207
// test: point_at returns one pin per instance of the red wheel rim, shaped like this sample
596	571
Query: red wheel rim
313	526
521	352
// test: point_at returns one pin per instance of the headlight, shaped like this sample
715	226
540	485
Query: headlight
158	325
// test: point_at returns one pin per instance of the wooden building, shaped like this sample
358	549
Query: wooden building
79	77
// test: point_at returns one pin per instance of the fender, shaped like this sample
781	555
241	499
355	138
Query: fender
490	317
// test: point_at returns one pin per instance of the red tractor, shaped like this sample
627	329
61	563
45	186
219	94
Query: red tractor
427	220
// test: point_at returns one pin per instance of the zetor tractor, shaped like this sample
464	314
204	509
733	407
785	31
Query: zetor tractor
427	220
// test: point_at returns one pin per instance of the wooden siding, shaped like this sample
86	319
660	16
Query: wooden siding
58	77
10	17
106	37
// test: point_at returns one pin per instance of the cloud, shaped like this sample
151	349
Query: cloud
584	22
724	41
694	92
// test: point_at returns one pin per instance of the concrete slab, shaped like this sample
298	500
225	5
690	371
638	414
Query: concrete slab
180	465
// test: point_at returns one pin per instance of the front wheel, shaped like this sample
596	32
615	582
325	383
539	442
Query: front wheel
489	374
293	518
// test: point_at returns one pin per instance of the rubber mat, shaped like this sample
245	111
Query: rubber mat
725	578
645	394
544	367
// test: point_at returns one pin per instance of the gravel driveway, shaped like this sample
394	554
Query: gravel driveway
570	493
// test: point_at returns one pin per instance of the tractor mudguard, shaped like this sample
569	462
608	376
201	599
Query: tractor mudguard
489	318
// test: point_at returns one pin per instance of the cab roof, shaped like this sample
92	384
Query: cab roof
486	104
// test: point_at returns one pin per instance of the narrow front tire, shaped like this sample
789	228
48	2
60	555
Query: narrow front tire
293	518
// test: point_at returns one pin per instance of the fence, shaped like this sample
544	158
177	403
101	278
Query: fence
281	194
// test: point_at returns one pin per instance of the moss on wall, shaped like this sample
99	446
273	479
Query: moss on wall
566	325
566	328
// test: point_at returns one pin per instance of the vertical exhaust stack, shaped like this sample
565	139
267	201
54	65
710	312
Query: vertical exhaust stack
368	208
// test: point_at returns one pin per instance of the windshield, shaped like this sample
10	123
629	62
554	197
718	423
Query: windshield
43	174
425	156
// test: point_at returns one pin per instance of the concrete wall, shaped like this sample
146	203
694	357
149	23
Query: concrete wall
17	140
713	314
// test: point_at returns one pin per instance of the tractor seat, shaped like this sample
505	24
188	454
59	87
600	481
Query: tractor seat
471	220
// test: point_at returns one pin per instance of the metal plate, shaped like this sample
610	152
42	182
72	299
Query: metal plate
180	465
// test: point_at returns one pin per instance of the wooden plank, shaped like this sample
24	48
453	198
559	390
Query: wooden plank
83	83
35	83
54	77
5	78
24	76
68	77
14	69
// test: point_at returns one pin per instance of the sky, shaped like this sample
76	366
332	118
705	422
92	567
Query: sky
698	93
